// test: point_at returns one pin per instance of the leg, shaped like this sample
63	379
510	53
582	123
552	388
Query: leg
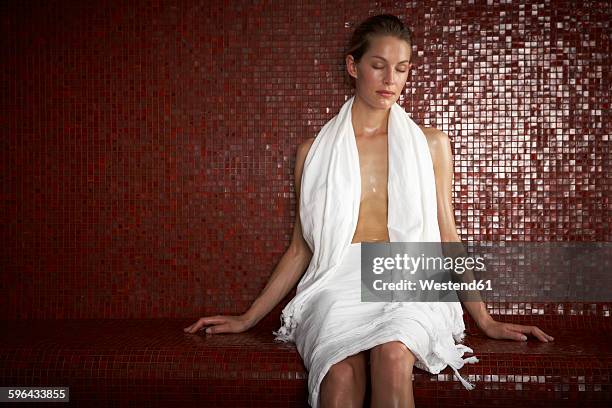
391	365
345	382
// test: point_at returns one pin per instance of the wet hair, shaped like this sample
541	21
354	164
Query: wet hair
379	25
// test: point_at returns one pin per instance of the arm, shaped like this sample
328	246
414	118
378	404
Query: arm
293	263
284	277
441	153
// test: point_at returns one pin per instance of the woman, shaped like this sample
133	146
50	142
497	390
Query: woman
378	62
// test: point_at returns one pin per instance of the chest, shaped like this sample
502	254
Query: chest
373	166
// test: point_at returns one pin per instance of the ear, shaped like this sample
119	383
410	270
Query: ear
351	66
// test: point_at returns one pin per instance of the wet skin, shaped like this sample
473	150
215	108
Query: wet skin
373	207
373	160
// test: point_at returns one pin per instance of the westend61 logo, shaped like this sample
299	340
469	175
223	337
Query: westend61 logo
514	271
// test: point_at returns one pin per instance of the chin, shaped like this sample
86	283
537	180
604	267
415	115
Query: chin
384	101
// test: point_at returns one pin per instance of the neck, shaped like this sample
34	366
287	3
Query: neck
367	120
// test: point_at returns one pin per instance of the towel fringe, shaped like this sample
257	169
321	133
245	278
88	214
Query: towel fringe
469	386
286	332
460	362
456	362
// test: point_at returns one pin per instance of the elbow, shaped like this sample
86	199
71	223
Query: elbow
299	251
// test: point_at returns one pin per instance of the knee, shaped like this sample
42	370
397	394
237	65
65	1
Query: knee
394	356
341	375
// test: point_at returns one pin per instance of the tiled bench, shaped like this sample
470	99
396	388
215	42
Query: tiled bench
152	362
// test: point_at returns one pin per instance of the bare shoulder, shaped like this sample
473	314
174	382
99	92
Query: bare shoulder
300	159
434	136
302	152
438	142
303	148
305	145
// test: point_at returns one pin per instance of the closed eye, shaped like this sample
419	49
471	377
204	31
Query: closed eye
398	70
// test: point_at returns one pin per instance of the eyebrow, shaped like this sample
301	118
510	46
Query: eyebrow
377	56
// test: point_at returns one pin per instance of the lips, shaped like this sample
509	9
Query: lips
385	92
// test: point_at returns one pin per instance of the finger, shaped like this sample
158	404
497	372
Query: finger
549	337
212	320
520	328
533	330
524	329
514	335
539	335
191	328
221	328
542	336
203	322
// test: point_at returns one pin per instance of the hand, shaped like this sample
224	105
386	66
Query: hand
499	330
221	324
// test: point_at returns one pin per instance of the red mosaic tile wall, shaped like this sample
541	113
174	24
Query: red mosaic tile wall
148	147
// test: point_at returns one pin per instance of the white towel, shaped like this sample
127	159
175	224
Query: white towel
329	210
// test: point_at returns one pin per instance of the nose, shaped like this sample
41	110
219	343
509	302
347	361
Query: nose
389	78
